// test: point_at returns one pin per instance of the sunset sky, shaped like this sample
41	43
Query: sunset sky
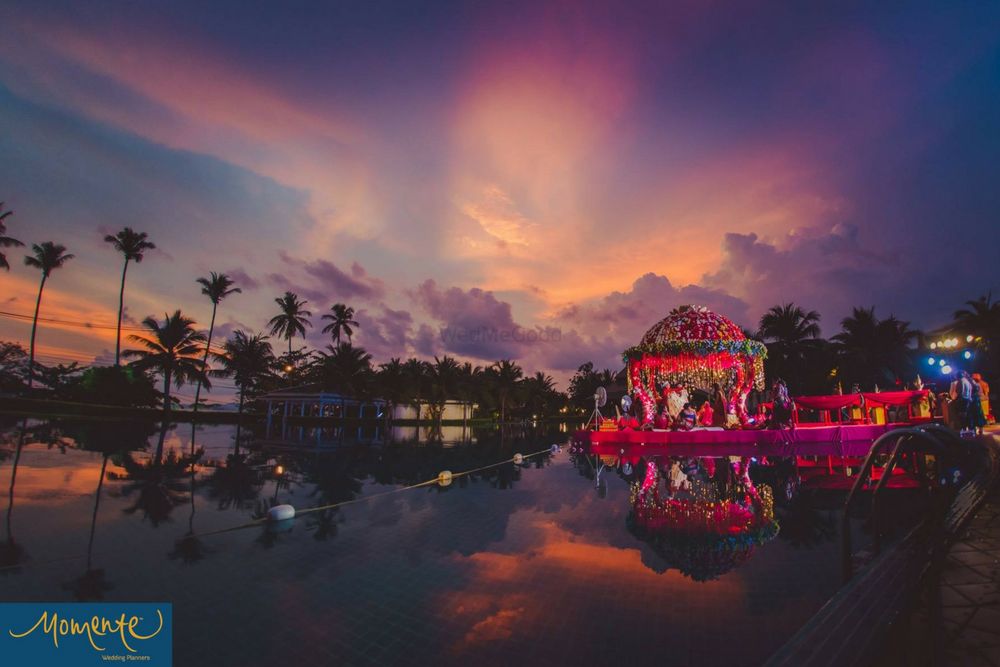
575	169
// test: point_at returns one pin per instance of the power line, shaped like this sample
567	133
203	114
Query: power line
71	323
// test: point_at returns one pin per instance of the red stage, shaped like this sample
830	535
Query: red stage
845	440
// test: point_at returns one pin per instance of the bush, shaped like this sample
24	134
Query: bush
115	385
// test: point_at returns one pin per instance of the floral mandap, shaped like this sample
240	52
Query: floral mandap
695	348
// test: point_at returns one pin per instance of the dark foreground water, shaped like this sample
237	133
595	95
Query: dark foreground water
524	565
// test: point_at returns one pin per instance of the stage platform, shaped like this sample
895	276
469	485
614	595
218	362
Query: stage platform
836	440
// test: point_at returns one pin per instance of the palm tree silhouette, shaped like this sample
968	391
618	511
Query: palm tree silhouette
982	319
874	350
347	369
292	318
133	246
505	376
248	360
174	351
47	257
340	322
391	383
216	287
6	241
444	376
791	334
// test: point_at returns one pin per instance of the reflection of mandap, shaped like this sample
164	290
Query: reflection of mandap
710	528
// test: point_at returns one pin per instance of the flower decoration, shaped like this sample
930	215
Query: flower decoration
704	534
696	348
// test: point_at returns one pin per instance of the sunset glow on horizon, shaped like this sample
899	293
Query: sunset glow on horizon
579	168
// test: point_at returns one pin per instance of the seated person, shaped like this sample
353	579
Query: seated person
705	414
685	421
662	420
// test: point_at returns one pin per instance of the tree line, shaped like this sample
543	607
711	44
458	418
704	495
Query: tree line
868	351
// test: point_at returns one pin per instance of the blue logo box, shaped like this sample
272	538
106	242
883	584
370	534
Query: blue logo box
85	633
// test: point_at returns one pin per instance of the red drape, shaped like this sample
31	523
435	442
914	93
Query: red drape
894	397
833	402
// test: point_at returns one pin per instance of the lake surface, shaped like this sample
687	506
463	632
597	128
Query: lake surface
530	564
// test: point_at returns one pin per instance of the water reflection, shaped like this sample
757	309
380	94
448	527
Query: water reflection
484	569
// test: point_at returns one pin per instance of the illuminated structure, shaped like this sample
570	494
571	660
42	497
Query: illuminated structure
695	348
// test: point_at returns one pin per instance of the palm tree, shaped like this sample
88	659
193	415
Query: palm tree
346	369
340	322
445	374
247	359
873	350
416	373
504	376
217	287
133	246
174	350
982	320
539	391
791	335
391	382
292	318
47	257
6	241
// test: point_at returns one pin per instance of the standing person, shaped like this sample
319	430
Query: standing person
977	420
984	390
719	406
781	413
961	396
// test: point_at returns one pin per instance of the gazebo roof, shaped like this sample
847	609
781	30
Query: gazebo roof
697	330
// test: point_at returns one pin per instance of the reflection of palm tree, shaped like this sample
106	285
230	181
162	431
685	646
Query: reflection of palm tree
291	320
334	483
47	258
189	549
6	241
133	245
91	585
216	288
236	484
341	322
158	483
11	553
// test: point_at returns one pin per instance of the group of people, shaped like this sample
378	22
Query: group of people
677	411
967	394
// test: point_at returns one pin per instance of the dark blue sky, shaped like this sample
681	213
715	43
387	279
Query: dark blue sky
579	167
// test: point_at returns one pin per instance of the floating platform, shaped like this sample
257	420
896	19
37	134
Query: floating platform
836	440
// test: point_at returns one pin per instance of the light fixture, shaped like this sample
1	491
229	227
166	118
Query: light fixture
967	354
933	346
930	361
968	339
946	369
942	362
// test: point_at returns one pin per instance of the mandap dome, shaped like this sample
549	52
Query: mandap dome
696	348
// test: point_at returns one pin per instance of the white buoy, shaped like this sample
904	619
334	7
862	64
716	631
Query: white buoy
518	459
444	477
281	513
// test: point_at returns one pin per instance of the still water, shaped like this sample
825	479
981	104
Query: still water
530	564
